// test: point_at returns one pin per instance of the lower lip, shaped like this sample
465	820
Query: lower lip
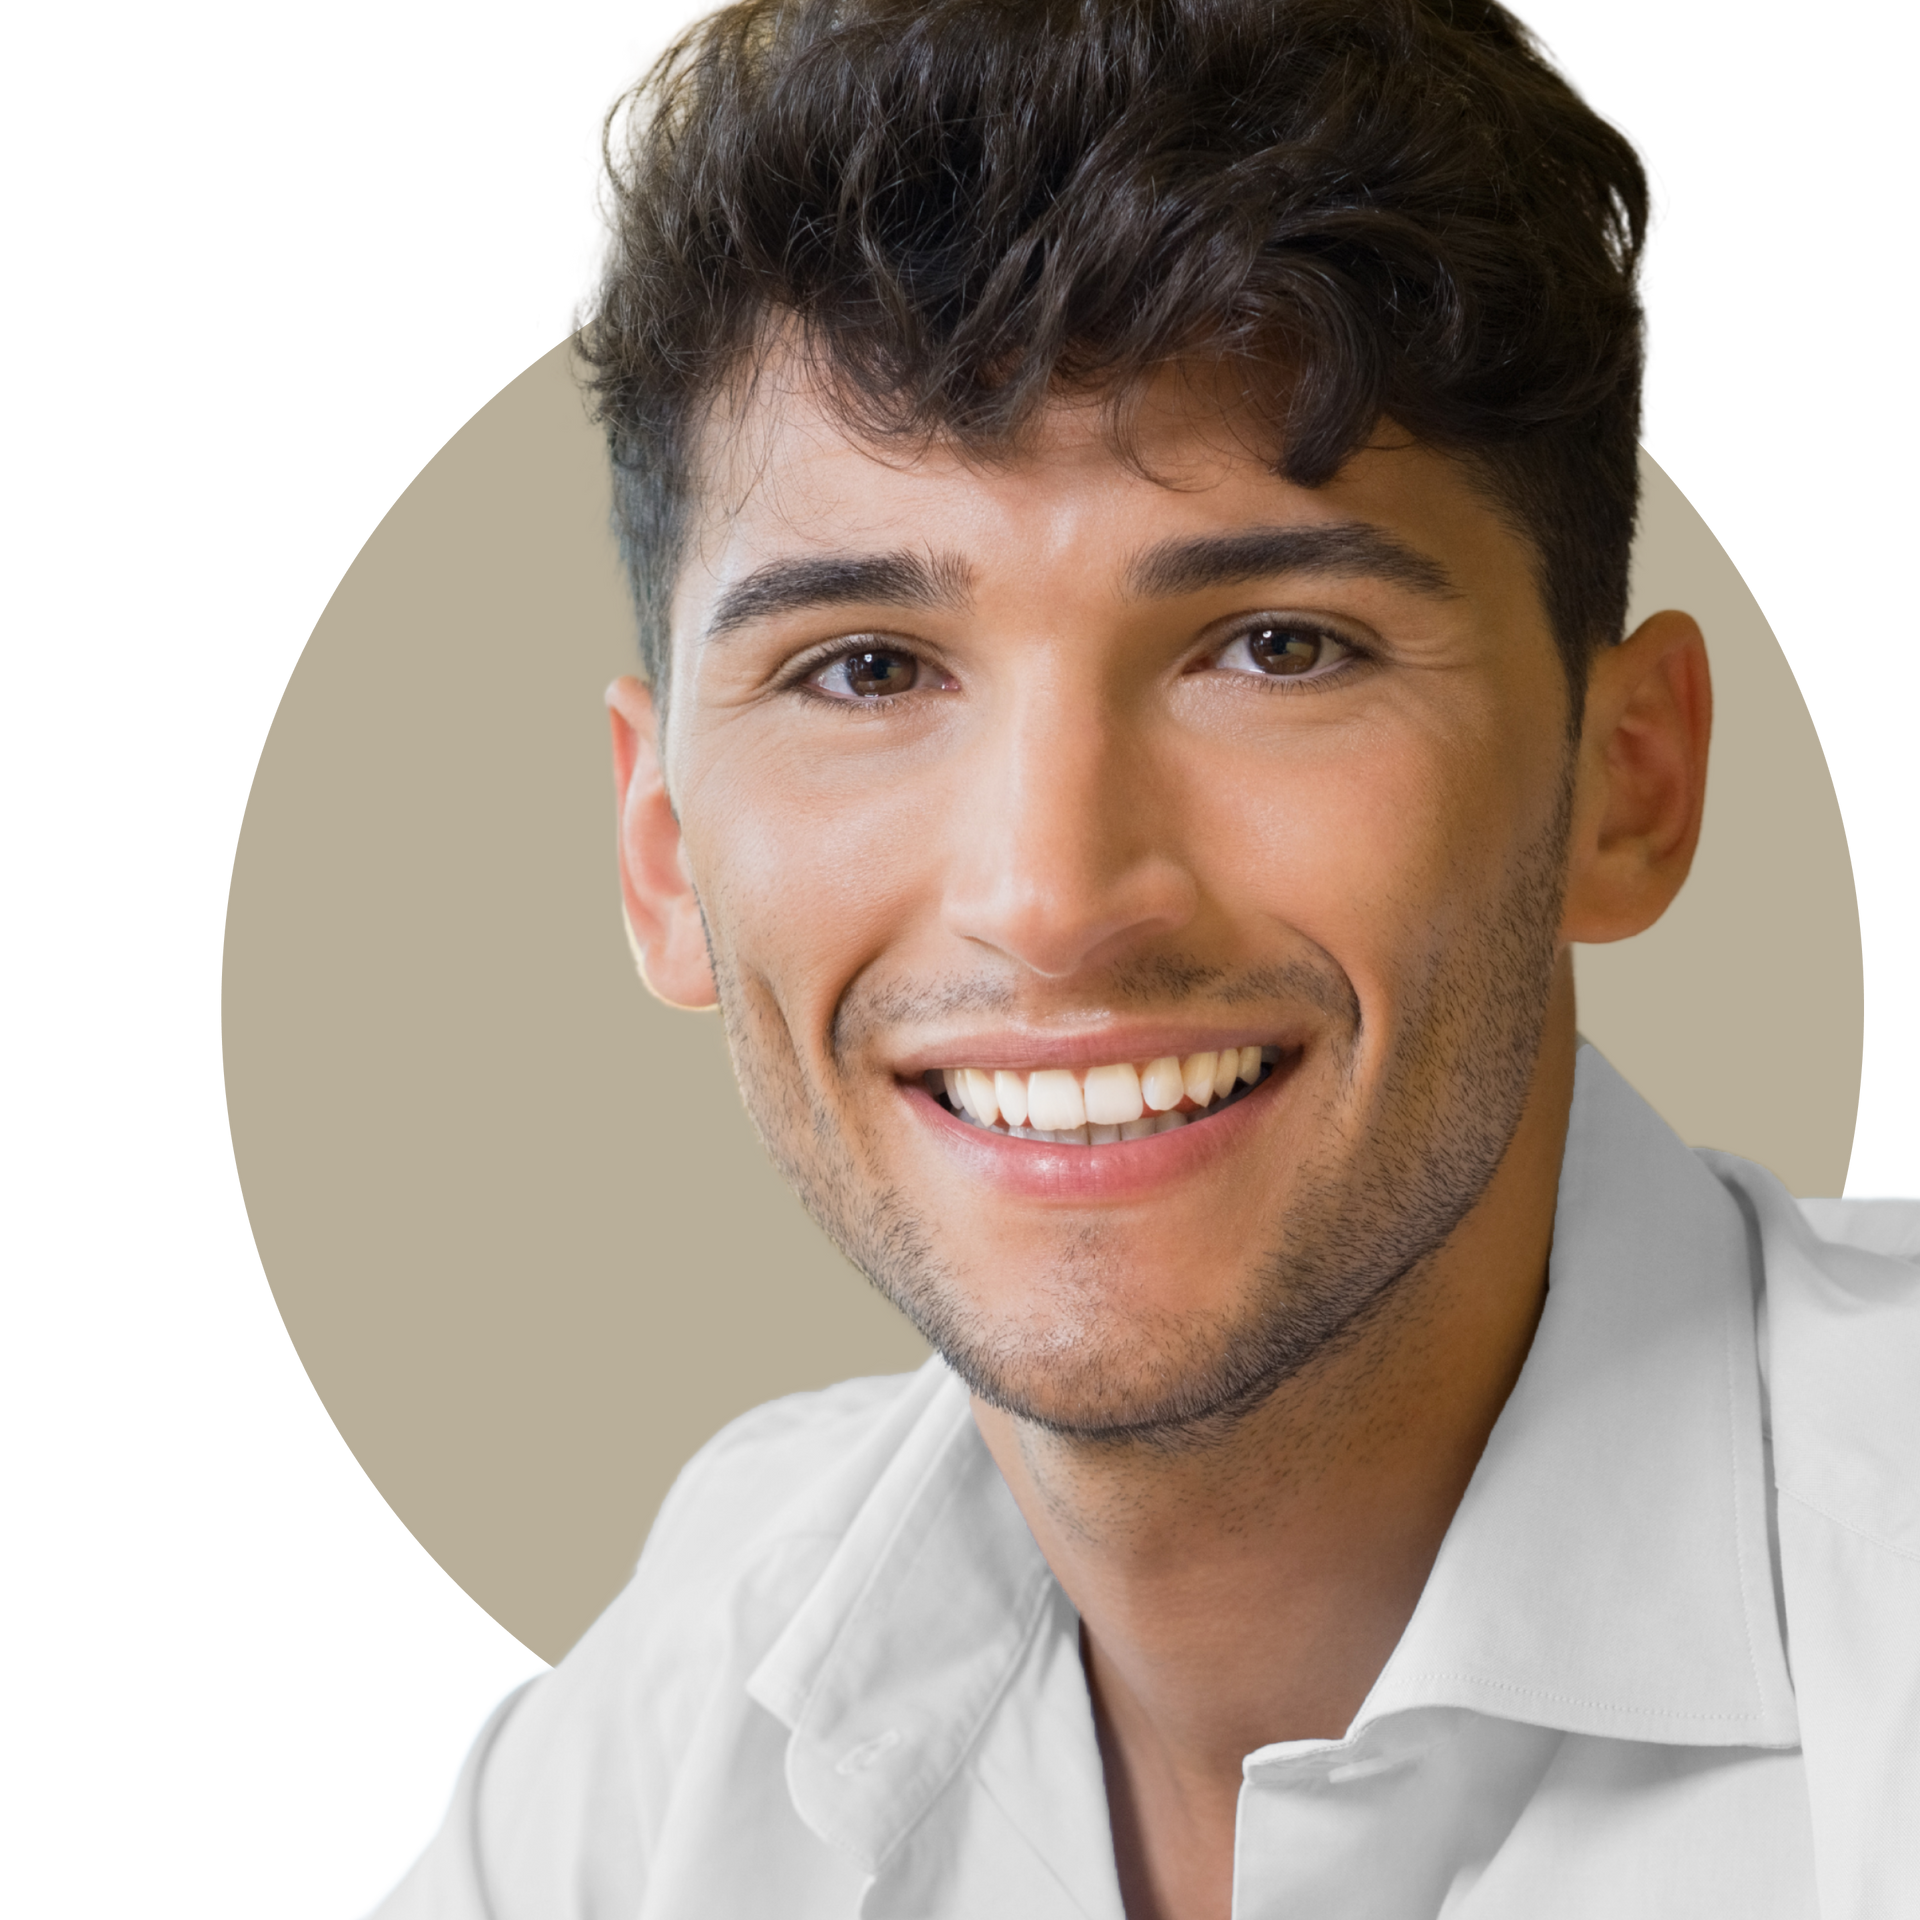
1119	1170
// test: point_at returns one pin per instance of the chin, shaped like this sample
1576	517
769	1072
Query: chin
1093	1371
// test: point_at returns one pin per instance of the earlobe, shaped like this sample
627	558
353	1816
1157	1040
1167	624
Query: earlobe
646	980
1641	783
658	904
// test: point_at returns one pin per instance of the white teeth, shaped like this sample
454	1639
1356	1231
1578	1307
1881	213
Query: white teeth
1113	1096
1161	1086
1103	1104
977	1090
1054	1101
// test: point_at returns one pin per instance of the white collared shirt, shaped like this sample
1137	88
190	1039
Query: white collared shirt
844	1681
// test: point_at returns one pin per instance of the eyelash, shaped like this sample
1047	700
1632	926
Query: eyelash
799	677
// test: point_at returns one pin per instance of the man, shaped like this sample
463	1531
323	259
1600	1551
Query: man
1129	506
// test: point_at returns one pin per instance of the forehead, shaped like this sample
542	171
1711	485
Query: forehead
1088	490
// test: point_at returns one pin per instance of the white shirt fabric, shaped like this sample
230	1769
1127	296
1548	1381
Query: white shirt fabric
1667	1662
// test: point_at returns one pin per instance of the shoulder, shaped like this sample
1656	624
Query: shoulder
741	1538
794	1470
571	1784
1887	1227
564	1800
1839	1292
1839	1288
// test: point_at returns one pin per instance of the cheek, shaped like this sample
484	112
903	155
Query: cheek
809	879
1373	846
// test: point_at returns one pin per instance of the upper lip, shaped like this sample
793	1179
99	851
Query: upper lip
1022	1050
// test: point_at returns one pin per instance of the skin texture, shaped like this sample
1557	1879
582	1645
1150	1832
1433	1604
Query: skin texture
1237	1376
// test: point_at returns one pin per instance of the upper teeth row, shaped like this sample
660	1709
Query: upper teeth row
1057	1100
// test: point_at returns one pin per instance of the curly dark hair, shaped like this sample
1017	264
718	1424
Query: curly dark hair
1373	210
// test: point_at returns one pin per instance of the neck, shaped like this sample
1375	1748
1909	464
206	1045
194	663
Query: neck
1251	1590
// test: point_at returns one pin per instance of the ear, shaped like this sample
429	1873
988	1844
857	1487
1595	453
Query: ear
1641	786
662	912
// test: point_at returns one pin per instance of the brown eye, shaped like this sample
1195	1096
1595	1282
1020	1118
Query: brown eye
1283	652
869	674
872	674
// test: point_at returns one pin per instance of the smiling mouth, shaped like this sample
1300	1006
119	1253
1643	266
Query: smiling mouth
1100	1106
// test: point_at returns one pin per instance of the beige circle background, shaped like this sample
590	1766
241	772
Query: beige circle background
519	1228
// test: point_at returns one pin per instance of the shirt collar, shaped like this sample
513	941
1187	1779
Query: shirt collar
1608	1570
893	1662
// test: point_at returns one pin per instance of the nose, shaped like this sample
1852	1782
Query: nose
1064	860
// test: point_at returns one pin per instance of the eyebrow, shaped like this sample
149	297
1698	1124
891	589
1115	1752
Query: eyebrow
900	579
1352	550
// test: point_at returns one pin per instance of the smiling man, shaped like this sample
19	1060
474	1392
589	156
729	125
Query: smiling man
1129	504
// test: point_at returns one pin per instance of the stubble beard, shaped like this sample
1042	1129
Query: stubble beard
1390	1182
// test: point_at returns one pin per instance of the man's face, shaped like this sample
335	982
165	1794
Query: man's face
1071	763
